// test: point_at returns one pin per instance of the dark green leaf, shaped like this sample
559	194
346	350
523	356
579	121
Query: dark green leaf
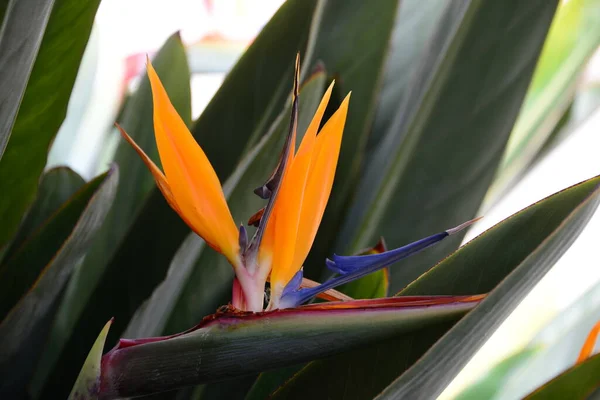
56	187
354	49
415	23
237	344
21	35
44	103
21	268
143	256
449	135
513	267
135	184
87	383
576	383
24	330
477	267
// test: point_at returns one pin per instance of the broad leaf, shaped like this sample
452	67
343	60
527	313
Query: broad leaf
135	185
44	103
88	382
21	35
548	229
354	51
24	330
236	343
157	232
477	267
56	187
415	24
21	268
449	135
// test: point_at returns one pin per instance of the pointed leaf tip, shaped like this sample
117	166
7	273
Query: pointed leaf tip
87	385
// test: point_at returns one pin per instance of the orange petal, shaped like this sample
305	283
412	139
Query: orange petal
288	207
159	177
590	343
192	179
311	131
319	183
290	203
267	241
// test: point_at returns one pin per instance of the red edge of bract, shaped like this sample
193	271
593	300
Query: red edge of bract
229	315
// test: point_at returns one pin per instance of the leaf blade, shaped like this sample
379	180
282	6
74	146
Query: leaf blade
464	88
23	331
326	326
44	105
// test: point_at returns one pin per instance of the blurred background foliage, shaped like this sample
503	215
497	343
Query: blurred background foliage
458	109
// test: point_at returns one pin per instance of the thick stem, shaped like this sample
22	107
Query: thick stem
253	289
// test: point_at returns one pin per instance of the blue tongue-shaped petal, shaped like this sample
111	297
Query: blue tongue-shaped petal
350	268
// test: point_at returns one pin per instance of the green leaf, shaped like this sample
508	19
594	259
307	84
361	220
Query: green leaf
21	268
199	279
236	344
443	148
56	187
576	383
354	50
415	24
87	384
21	35
143	256
529	244
135	184
498	255
24	331
573	38
44	104
491	382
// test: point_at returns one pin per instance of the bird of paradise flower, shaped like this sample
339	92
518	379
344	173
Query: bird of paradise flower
297	193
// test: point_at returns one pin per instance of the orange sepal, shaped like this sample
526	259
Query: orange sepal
192	180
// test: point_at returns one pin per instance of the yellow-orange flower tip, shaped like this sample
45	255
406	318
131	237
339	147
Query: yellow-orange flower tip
189	182
303	195
159	177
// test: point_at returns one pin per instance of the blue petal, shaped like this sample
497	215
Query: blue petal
350	264
294	284
355	267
